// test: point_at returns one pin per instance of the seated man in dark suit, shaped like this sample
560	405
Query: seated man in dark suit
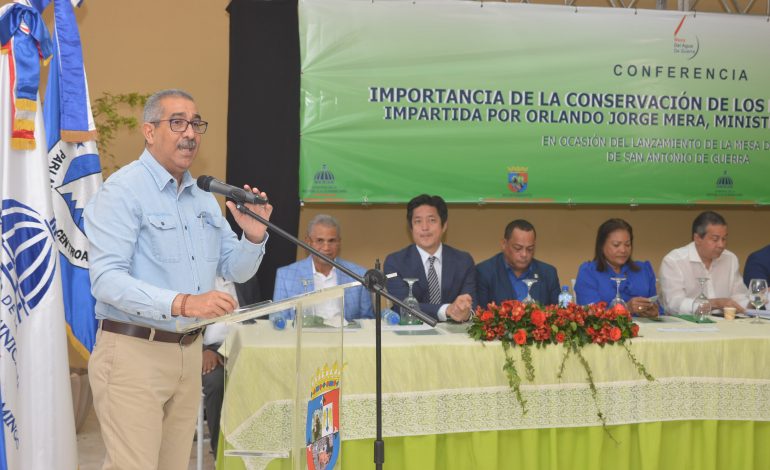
501	276
446	285
757	266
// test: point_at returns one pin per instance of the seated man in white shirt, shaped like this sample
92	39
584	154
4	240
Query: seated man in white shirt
705	257
312	273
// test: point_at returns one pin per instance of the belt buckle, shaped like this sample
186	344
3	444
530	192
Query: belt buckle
193	334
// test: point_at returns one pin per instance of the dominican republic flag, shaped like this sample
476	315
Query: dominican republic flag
75	173
37	427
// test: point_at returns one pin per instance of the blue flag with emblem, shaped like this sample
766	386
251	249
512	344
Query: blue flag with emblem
38	427
75	173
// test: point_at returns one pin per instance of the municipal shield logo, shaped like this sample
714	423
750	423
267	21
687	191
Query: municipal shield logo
322	434
517	179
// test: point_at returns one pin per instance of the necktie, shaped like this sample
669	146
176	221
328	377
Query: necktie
434	288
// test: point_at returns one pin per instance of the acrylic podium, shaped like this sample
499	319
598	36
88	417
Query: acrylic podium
303	430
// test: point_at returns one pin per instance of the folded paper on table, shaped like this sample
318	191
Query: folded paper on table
683	329
419	327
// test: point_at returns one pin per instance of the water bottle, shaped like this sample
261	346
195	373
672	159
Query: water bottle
564	297
389	317
278	320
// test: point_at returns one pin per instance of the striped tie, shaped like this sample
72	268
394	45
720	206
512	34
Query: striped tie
434	288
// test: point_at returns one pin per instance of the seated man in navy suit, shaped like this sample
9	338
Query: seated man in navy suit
501	276
446	285
757	266
312	273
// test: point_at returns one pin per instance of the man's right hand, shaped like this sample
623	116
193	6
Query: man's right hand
727	302
209	305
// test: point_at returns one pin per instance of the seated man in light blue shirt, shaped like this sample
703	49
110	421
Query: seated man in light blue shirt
312	273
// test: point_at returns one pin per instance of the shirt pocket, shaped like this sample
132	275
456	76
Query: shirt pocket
164	237
211	235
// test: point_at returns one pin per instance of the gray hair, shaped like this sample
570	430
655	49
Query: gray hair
704	219
153	111
326	220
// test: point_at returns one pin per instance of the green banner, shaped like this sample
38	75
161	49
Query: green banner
498	102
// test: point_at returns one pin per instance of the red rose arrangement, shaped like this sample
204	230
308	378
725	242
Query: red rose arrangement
516	324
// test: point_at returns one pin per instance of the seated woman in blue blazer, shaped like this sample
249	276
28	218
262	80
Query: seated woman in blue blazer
612	258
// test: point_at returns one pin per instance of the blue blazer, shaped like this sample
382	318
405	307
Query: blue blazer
493	285
757	266
458	276
289	283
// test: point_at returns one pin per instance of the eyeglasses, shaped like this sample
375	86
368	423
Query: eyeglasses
180	125
324	241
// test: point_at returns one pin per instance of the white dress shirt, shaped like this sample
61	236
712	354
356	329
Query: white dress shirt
679	273
424	255
331	308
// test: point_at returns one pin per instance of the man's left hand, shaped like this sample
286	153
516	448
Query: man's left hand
252	229
460	309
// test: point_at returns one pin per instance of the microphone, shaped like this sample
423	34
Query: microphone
209	184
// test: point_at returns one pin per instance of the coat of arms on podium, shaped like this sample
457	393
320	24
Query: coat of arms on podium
322	435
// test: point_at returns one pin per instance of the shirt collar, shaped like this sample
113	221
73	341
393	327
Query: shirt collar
525	275
332	272
624	270
424	255
692	253
161	176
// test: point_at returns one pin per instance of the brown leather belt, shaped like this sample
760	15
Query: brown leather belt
150	334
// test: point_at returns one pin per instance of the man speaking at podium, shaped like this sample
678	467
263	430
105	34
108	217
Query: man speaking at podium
157	244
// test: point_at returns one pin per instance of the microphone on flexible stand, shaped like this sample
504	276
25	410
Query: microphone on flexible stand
210	184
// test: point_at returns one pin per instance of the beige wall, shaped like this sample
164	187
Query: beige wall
144	45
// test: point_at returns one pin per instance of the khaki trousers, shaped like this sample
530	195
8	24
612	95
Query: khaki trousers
146	396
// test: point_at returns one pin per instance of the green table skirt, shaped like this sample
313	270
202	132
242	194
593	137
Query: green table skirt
705	445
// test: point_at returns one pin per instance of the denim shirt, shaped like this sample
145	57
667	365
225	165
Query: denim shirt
150	243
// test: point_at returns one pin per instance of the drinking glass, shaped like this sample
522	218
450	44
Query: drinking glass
757	295
618	300
528	299
701	307
406	317
308	313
